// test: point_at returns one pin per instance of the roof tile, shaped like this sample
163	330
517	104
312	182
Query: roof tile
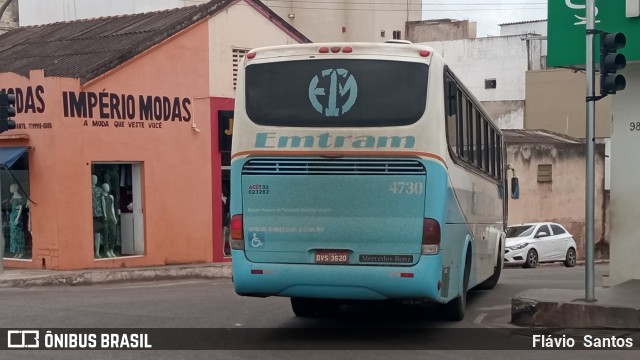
514	136
86	49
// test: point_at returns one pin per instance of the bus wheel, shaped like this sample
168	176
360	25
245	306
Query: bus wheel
306	307
491	282
455	309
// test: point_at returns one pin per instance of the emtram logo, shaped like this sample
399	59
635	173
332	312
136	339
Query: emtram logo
22	339
333	92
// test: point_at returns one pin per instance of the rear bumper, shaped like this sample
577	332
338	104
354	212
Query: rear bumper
352	282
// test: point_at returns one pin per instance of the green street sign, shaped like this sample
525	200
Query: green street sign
566	29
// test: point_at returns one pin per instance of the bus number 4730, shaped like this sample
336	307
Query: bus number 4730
406	187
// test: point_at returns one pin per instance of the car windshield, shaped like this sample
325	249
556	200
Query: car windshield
520	231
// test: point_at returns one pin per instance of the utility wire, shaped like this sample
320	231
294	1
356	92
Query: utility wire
398	3
404	8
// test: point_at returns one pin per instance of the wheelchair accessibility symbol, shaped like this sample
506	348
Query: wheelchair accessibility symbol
257	241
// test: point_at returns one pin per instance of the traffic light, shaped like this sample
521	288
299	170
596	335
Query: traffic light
7	110
611	61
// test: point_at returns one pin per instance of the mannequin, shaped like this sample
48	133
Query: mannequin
110	221
226	218
16	227
98	214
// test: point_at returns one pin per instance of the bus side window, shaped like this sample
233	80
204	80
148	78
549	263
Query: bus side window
499	169
470	134
492	151
485	145
451	107
478	141
461	126
452	102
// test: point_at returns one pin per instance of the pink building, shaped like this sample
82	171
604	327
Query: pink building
116	160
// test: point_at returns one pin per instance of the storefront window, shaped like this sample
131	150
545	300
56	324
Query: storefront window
16	217
118	228
226	216
225	133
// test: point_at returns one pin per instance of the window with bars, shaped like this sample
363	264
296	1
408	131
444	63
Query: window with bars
238	54
545	173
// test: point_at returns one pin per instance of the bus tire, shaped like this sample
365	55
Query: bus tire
307	307
455	309
491	282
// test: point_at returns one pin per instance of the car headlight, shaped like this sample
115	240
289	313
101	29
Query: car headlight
518	247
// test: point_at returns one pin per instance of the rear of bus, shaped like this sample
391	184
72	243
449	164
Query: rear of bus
335	194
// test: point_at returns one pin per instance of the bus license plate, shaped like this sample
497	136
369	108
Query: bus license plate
332	257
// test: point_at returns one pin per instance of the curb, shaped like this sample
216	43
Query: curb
117	275
559	264
572	314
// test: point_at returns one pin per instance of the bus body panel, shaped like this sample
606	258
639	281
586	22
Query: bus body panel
286	277
476	204
338	281
288	218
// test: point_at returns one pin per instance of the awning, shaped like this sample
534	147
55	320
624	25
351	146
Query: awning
9	155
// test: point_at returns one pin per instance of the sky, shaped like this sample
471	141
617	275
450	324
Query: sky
488	14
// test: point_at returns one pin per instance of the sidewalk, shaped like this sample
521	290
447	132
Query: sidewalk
11	277
616	307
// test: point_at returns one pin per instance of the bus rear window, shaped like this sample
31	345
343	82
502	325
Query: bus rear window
336	93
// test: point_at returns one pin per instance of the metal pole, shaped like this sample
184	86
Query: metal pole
590	164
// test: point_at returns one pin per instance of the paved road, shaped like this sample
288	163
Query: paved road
213	304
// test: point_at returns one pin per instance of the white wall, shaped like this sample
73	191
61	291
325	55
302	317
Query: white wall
322	23
324	20
319	20
500	58
503	58
239	26
513	119
625	192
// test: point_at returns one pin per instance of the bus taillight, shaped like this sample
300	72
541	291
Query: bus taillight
430	237
237	231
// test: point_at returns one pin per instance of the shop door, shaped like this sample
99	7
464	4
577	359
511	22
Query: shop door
117	209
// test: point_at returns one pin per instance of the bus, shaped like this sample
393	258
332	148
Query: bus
363	171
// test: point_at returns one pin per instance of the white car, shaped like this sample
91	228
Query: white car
530	244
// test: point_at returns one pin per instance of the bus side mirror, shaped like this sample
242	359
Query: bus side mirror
515	188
